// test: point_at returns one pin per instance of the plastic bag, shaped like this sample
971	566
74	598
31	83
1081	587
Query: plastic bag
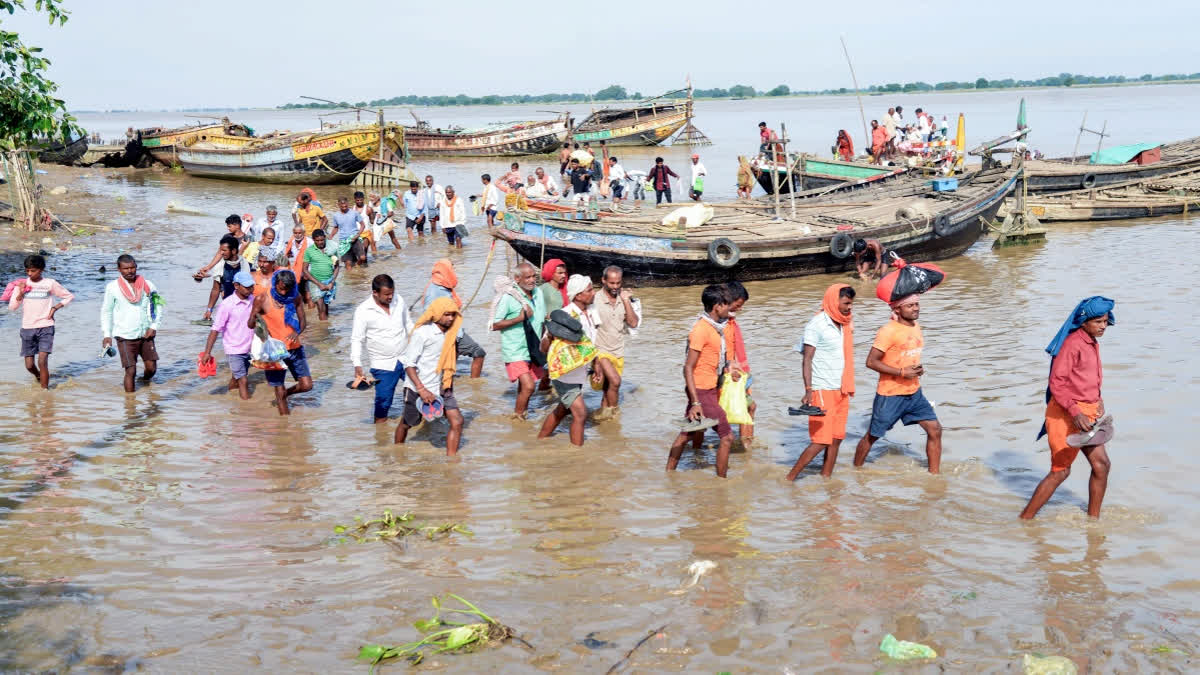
267	354
908	280
733	401
1049	665
902	650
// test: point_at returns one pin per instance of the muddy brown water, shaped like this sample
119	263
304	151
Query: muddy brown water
180	529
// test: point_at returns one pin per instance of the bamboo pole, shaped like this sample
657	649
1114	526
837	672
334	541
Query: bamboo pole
1078	137
857	94
788	176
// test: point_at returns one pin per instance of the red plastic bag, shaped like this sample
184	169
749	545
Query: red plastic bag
206	368
908	280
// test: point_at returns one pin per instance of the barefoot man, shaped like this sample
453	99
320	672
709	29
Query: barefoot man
1074	403
130	312
620	315
518	315
283	313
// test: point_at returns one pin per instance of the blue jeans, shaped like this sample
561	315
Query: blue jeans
385	388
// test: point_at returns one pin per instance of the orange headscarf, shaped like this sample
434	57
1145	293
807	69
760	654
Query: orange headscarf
444	276
829	305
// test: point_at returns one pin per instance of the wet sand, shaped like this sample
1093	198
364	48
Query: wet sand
180	529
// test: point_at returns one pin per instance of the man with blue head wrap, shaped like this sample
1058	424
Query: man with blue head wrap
1074	403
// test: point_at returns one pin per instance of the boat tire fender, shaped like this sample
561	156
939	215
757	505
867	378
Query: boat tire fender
724	253
1089	181
941	225
842	245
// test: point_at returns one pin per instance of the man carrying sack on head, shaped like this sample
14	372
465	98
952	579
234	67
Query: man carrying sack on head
1074	406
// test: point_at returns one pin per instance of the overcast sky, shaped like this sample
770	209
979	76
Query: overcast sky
138	54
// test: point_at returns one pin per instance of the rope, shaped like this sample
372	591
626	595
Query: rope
321	162
483	277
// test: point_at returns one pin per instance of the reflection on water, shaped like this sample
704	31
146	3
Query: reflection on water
180	529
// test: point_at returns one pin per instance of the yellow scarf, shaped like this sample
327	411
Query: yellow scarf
448	359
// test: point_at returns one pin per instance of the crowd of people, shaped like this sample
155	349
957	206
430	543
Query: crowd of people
558	332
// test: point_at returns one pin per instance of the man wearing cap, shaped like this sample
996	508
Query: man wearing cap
231	321
698	174
896	356
570	351
429	387
518	314
1074	404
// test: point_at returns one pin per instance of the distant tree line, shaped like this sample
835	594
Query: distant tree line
618	93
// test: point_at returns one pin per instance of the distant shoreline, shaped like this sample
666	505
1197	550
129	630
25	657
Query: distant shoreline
606	102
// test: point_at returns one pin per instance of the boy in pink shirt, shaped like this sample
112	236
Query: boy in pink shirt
36	298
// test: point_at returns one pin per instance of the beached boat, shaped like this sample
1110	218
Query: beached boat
163	143
648	123
62	153
1054	175
330	156
1172	194
744	240
511	139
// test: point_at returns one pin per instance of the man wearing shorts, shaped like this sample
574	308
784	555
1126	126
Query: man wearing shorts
414	211
518	316
1074	403
828	372
131	312
706	352
283	314
896	356
231	322
430	355
491	199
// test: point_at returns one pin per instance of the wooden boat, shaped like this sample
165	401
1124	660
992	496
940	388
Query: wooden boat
744	241
96	152
62	153
1055	175
499	140
162	143
648	123
810	172
330	156
1172	194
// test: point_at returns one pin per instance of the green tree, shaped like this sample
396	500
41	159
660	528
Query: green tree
981	83
781	90
613	92
742	90
29	111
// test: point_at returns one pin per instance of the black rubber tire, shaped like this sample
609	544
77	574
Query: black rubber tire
842	245
941	225
724	253
1089	181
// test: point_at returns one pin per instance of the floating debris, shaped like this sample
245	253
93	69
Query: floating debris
444	636
391	527
697	570
1048	665
903	650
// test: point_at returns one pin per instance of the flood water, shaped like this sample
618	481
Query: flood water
179	529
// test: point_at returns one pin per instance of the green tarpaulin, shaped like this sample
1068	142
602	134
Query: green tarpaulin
1121	153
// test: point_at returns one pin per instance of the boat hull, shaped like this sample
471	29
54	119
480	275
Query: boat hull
331	158
650	132
1103	176
537	139
659	261
162	146
64	154
1109	209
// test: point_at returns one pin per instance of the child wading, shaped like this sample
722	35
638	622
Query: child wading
430	357
232	322
706	354
1074	404
35	296
570	352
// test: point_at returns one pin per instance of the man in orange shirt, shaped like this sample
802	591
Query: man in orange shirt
707	351
896	356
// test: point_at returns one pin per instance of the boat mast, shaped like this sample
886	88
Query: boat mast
857	93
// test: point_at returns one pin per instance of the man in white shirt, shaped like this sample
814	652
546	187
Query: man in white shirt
430	353
381	326
430	194
698	173
828	372
616	180
534	189
491	199
547	181
451	206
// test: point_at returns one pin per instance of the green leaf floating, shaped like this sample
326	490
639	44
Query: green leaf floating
392	527
443	635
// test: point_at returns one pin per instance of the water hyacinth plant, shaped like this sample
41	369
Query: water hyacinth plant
443	635
390	527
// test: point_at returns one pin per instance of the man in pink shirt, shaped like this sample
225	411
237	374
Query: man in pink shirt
232	321
36	297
